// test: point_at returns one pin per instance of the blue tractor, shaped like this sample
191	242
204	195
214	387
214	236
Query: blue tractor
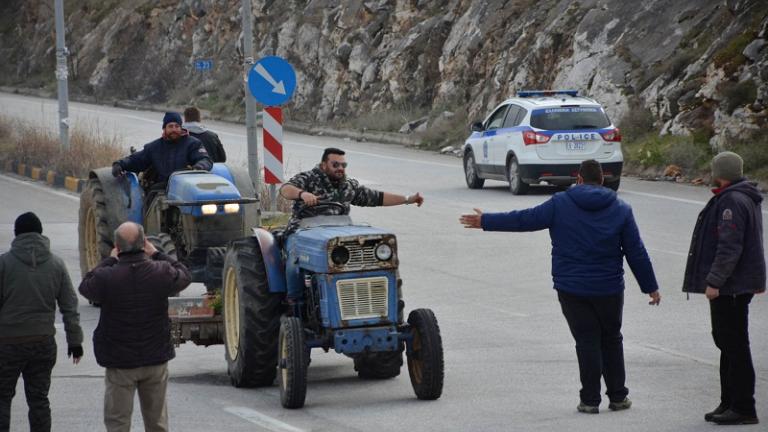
332	285
193	219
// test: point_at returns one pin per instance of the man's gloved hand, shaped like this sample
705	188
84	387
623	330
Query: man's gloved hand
76	352
117	169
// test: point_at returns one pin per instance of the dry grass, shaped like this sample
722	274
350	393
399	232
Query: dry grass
40	147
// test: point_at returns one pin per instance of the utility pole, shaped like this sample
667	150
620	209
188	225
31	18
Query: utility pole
250	104
61	76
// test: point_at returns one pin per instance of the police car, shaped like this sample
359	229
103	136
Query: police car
541	137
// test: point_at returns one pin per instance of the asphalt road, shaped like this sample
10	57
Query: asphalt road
510	360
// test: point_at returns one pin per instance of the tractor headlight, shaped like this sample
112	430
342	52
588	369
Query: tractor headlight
383	252
231	208
340	255
208	209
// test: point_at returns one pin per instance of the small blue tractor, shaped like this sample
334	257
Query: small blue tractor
193	219
334	285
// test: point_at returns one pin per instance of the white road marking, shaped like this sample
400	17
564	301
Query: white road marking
262	420
41	186
681	254
682	200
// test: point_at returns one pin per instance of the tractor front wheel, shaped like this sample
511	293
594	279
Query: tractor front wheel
425	355
251	316
164	243
293	361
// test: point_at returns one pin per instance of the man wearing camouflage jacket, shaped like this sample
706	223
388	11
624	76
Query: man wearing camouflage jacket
328	182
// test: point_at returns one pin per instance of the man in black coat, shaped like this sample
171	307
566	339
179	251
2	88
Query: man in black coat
727	263
209	139
133	337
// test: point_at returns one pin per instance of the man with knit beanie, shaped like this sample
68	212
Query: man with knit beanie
32	282
726	263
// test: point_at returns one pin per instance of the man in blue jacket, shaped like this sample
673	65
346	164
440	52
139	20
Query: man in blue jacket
727	263
588	220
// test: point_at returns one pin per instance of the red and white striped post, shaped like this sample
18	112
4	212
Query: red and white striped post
272	121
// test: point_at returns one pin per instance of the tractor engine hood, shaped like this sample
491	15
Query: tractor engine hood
350	248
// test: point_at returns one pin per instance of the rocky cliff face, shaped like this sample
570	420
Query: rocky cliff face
695	64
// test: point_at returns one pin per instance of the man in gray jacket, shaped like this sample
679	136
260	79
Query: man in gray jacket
32	282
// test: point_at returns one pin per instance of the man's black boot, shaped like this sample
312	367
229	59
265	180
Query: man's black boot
719	410
730	417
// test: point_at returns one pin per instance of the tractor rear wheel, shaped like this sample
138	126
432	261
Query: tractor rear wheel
380	365
425	356
164	243
293	361
94	235
251	316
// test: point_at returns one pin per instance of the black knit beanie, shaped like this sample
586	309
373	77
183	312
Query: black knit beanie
27	223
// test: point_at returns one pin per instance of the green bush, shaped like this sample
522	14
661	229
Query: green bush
637	122
738	94
755	155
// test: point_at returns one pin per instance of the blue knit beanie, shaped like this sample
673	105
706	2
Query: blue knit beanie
171	117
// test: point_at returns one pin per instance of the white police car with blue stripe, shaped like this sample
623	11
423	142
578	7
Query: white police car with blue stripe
541	137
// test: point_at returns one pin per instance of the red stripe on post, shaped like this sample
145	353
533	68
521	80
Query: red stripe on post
273	146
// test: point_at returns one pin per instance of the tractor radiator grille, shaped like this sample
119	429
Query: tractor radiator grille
360	256
363	298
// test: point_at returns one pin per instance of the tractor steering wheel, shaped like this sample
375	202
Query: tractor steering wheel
320	207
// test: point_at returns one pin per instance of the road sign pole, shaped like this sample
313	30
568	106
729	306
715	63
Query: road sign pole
250	104
61	76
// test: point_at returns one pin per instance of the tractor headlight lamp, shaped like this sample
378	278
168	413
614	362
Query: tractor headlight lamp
383	252
231	208
208	209
340	255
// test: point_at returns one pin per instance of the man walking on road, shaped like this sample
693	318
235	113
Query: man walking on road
209	139
592	231
726	262
133	337
32	282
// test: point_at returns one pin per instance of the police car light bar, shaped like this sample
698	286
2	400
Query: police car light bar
535	93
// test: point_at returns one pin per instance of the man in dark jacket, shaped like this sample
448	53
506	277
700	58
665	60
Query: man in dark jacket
32	282
591	231
726	262
209	139
174	151
133	339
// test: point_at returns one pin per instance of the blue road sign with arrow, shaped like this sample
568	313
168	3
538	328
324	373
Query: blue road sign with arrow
203	64
272	81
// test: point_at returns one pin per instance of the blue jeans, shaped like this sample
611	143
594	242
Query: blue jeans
34	362
595	324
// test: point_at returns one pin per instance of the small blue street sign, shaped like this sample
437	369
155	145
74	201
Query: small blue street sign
204	64
272	81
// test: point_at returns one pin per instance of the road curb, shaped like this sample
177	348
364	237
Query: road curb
50	177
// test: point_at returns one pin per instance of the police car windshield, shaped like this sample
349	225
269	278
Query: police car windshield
569	118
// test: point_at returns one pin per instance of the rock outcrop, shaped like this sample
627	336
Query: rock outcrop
696	64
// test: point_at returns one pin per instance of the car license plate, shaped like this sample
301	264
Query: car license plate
575	146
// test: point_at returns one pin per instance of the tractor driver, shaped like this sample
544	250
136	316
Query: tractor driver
328	182
175	150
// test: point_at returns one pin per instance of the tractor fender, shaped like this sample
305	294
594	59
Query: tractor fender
123	195
273	260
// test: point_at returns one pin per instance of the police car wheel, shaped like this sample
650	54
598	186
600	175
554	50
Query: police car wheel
516	184
471	175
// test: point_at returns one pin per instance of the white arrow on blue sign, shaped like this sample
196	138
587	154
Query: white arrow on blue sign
203	64
272	81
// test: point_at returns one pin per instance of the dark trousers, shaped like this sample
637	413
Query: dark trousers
34	362
595	324
730	329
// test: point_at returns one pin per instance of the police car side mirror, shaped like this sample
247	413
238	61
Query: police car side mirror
477	127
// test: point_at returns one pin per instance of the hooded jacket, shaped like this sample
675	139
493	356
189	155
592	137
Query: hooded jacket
167	156
209	139
134	329
32	282
592	231
727	243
